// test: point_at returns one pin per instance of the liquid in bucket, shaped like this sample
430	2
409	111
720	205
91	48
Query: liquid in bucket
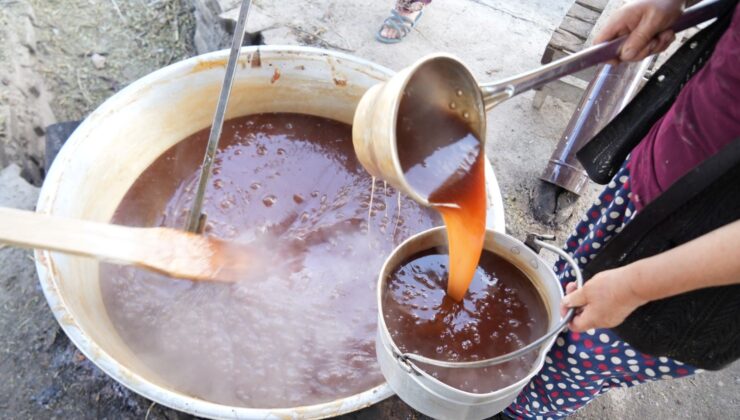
502	312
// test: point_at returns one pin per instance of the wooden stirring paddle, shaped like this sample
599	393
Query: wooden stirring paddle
168	251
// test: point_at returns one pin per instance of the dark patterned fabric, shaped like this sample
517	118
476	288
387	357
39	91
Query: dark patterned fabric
582	366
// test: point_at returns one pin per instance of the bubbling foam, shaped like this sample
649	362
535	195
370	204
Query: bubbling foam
301	333
501	312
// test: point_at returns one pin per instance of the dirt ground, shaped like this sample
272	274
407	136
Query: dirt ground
93	48
84	51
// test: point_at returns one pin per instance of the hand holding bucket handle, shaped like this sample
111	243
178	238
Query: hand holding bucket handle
536	243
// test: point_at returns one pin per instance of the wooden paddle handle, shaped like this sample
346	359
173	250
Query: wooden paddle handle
169	251
110	242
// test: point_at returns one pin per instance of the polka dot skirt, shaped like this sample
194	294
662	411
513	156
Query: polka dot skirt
580	367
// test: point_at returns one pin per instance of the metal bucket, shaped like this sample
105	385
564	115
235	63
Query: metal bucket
120	139
436	399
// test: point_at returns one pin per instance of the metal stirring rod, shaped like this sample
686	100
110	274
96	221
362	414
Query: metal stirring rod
196	219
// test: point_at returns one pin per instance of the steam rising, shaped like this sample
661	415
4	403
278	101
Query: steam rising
301	330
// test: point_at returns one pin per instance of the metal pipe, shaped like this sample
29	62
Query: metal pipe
606	95
196	218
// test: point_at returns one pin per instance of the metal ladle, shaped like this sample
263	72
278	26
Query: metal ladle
449	84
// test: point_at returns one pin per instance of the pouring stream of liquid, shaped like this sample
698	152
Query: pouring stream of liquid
442	159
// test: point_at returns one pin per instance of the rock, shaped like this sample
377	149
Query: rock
216	19
56	135
33	171
47	395
550	204
15	191
98	61
279	36
210	32
258	20
24	100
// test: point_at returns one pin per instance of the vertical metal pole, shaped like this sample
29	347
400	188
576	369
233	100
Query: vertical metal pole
196	218
606	95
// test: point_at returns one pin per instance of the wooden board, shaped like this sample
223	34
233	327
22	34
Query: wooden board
576	27
565	41
597	5
576	31
584	13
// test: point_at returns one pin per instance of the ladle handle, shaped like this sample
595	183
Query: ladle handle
409	358
497	92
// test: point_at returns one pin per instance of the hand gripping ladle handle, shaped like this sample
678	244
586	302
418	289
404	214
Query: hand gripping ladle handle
496	92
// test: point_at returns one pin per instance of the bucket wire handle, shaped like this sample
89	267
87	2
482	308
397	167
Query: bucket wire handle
536	242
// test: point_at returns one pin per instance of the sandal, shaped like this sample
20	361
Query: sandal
398	22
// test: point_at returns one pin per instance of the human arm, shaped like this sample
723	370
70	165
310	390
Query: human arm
609	297
647	23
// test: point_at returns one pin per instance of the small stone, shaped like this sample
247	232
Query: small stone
47	395
98	61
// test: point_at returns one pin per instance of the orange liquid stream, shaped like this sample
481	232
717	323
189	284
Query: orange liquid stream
466	226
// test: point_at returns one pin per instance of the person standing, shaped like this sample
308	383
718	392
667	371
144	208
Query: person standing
404	17
590	358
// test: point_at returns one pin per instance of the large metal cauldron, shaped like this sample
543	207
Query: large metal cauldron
129	131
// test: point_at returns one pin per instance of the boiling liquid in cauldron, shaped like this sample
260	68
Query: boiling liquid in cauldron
442	160
304	334
501	312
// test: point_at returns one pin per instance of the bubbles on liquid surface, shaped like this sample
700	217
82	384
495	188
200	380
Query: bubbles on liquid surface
416	308
269	200
287	338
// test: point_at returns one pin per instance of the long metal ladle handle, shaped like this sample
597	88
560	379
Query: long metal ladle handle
195	218
497	92
408	358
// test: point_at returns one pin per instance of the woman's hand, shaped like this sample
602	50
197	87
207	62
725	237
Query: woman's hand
647	23
610	296
603	302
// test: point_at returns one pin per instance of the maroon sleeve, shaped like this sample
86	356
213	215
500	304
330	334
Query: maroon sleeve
704	118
